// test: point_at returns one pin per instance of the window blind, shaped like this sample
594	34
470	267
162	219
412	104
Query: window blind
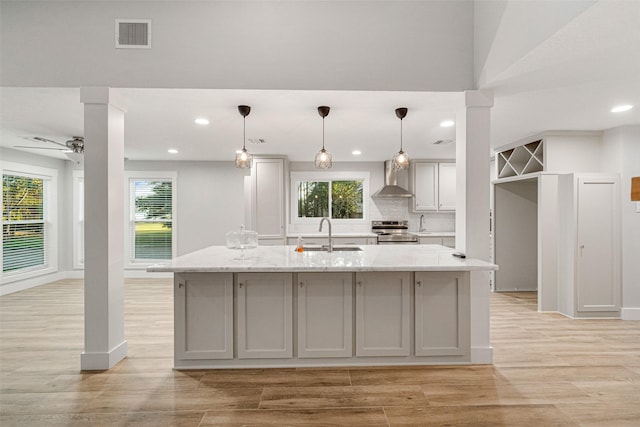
152	219
25	232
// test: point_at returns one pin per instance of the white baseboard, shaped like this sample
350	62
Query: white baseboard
22	285
482	355
103	360
630	313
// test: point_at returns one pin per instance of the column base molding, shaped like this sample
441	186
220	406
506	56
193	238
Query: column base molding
103	361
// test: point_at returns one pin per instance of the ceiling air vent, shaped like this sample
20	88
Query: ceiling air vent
133	33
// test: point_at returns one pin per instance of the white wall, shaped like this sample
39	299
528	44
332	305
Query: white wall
210	200
289	44
622	155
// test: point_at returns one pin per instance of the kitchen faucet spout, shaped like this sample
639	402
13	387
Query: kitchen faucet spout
421	226
330	247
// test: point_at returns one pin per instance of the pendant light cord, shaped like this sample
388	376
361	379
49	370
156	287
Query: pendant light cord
323	133
400	134
244	133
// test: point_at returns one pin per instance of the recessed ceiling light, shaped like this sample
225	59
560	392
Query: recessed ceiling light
356	152
621	108
202	121
172	151
447	123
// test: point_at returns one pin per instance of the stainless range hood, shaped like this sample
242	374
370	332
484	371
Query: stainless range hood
395	183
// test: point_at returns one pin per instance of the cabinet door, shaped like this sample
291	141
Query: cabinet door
264	315
382	313
425	186
430	240
447	186
442	314
203	307
349	240
324	314
267	198
598	274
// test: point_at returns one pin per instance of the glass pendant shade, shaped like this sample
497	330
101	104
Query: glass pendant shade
323	157
400	160
243	158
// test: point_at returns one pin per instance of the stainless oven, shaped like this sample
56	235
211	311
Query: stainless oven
393	232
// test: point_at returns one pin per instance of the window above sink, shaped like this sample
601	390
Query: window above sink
341	196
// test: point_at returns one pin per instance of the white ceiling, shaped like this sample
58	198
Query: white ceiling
568	78
159	119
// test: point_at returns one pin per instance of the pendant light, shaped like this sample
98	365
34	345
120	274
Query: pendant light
243	158
400	159
323	157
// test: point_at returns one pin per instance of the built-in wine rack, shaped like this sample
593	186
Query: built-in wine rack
522	160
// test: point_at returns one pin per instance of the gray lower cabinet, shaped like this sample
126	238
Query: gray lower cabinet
325	314
203	315
265	309
442	305
383	313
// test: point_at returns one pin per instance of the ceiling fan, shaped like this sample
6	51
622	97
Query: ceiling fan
73	148
74	145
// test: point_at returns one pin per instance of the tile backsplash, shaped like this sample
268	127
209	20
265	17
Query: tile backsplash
389	209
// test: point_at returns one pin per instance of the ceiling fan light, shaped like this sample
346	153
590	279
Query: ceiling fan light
323	159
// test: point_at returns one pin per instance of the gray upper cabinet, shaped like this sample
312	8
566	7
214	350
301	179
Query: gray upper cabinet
433	184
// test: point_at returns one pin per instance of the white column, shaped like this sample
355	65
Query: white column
473	153
104	343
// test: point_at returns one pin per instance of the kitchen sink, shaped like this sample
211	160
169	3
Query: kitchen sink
335	249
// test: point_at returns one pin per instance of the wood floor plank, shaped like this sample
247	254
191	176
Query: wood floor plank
136	419
479	416
276	377
341	397
339	417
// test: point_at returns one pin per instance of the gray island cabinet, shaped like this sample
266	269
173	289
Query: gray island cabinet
380	305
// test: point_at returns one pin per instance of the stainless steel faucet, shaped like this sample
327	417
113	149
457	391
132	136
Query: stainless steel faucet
421	226
330	247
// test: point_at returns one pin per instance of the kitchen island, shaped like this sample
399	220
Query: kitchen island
359	306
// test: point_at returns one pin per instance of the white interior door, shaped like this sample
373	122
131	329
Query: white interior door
597	271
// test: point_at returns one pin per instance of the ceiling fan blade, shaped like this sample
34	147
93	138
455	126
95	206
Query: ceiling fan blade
41	139
41	148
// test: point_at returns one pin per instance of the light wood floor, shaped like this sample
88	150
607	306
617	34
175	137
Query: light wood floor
548	371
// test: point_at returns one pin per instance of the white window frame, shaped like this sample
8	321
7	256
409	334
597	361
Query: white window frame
78	219
297	177
50	216
131	262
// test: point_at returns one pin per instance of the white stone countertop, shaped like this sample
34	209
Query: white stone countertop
435	233
285	259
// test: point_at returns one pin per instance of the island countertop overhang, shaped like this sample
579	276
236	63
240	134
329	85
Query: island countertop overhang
286	259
